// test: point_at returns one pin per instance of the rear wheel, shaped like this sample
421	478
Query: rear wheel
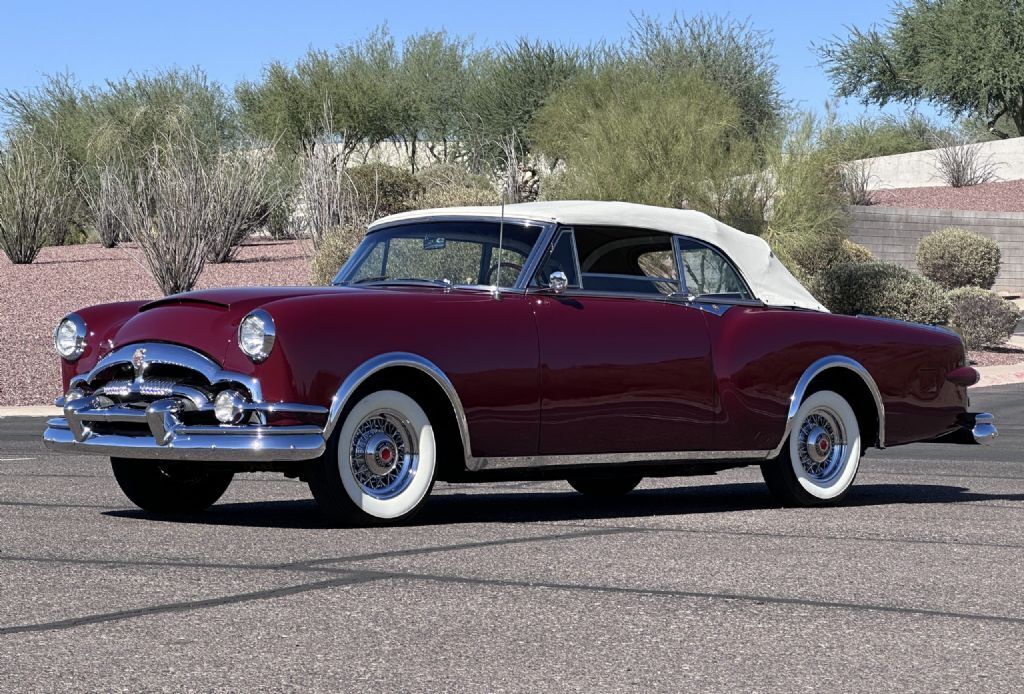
820	459
169	487
380	462
605	487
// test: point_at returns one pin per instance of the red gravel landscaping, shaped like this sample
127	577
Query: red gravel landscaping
34	297
989	197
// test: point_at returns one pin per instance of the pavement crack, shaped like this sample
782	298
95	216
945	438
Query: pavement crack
353	578
708	595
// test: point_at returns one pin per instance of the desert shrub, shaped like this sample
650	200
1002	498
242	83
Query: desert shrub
334	249
856	253
379	190
452	185
960	164
867	137
802	202
38	198
957	257
882	289
856	180
982	317
626	134
180	204
241	198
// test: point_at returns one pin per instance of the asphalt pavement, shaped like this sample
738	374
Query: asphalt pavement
692	584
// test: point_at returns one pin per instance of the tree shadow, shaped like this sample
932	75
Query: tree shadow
457	507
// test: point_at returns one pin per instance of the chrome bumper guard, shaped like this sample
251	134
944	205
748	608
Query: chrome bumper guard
983	428
169	439
974	428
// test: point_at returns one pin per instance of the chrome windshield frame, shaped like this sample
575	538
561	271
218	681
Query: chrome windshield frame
540	248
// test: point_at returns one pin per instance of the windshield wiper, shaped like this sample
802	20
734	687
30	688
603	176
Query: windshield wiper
443	283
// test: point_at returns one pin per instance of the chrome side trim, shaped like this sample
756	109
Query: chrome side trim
612	459
163	353
390	360
834	361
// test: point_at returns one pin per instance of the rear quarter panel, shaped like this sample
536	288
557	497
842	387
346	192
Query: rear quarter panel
761	353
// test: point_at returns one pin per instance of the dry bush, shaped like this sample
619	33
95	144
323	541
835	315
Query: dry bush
242	196
336	247
174	203
960	164
38	198
325	192
453	185
855	179
108	228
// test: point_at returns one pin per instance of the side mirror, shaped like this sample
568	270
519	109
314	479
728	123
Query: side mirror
557	281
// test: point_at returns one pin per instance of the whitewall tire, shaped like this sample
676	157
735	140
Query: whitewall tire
820	459
380	463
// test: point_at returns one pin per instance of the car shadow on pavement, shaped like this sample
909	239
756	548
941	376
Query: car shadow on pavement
455	507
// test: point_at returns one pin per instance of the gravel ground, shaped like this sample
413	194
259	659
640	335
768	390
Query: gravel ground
989	197
997	356
36	296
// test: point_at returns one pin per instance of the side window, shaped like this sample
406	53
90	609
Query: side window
561	259
708	273
627	261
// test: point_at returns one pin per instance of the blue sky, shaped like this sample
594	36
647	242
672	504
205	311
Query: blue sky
232	40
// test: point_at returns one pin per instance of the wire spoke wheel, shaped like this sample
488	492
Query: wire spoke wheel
383	454
819	461
821	444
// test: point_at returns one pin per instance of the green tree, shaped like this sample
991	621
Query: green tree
727	53
352	98
506	88
626	134
965	56
434	72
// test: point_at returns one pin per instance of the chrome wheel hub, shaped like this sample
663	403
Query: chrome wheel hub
383	454
821	445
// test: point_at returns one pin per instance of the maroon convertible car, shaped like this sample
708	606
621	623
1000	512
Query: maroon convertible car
592	342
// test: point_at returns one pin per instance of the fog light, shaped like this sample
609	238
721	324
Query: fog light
229	407
73	394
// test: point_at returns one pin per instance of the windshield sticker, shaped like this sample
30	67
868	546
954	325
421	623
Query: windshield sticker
433	243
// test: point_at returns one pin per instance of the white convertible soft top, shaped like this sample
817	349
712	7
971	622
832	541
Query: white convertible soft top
768	278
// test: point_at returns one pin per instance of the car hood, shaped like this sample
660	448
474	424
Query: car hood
206	321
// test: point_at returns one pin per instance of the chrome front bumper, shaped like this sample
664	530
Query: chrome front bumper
162	436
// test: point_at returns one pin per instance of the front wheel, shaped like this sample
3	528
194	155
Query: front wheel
380	462
171	487
819	462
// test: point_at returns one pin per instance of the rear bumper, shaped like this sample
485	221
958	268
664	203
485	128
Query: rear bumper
974	428
166	438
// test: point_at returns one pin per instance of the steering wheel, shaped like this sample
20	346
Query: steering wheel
494	268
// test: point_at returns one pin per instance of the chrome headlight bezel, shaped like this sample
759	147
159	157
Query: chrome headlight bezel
256	335
73	339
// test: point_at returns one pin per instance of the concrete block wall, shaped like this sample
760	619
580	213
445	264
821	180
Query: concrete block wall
892	234
917	169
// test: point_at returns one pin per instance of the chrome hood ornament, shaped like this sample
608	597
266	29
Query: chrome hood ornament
139	361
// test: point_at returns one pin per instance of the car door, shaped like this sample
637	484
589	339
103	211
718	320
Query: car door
625	366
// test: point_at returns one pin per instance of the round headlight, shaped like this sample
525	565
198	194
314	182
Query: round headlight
256	335
69	337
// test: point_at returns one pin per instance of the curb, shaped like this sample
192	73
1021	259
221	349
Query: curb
31	411
1004	375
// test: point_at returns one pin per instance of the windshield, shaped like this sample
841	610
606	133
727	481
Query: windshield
451	252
